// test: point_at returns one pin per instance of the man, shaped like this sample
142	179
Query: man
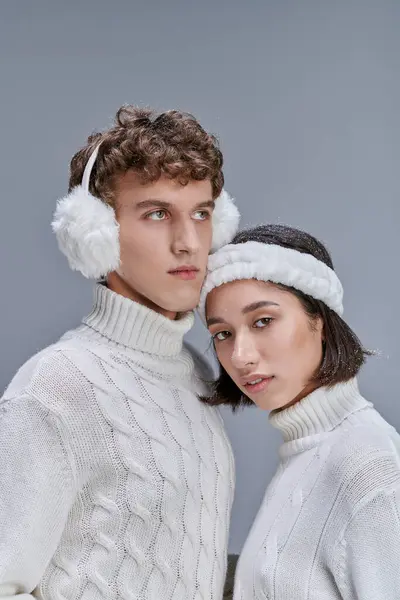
116	480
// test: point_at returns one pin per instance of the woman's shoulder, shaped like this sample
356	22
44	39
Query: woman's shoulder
365	458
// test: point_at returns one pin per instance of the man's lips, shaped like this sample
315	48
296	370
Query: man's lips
185	272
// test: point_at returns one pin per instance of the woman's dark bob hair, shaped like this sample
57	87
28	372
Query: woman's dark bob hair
343	354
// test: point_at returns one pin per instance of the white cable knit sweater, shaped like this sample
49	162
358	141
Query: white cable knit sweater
116	482
329	525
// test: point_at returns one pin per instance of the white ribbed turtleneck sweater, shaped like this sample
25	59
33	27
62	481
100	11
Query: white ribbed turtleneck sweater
329	524
116	482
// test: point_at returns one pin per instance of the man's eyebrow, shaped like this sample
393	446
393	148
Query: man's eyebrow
255	305
152	202
157	202
206	204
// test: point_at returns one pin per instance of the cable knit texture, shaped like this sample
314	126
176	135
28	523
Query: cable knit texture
116	481
328	527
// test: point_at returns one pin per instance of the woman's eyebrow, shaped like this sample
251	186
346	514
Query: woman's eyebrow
246	309
256	305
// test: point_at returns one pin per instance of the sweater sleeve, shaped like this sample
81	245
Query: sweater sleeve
370	550
36	493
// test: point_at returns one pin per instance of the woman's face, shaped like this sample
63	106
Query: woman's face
265	341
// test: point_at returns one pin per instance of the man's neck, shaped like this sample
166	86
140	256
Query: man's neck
119	286
134	326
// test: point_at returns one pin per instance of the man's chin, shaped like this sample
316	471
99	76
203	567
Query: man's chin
181	305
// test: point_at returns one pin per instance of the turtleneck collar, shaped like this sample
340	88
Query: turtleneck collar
135	326
303	423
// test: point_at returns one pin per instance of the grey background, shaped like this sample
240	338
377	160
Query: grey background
305	97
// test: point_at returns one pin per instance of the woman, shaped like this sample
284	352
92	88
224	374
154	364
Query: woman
329	524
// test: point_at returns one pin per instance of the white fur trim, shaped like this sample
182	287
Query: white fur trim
270	262
87	233
225	221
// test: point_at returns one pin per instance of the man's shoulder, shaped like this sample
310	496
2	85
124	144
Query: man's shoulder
52	372
202	366
204	376
54	385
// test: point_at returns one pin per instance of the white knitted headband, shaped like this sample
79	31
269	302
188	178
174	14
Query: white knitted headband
270	262
88	233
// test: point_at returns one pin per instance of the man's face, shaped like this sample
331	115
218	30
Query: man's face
165	237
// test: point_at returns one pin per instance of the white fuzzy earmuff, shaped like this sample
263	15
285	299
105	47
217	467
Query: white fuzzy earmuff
88	233
225	221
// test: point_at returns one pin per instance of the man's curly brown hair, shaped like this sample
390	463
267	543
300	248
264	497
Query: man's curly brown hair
171	144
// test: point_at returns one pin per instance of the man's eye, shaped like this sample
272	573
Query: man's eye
202	215
157	215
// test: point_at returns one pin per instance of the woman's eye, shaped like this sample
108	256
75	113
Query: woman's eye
262	322
221	335
201	215
157	215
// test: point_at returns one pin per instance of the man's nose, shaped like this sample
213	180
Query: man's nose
185	238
